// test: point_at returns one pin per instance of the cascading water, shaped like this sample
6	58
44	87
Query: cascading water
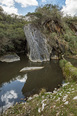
38	47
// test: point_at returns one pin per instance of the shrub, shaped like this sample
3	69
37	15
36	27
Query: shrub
69	71
62	63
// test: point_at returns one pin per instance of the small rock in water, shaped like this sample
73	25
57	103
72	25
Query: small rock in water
9	58
30	69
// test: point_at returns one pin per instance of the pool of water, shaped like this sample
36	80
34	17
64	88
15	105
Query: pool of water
16	86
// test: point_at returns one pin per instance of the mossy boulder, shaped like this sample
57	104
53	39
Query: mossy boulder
69	71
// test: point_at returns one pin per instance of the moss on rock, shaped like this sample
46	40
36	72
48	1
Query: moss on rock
69	71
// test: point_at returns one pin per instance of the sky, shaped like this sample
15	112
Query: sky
22	7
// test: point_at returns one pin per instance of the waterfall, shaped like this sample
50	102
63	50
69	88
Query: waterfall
38	47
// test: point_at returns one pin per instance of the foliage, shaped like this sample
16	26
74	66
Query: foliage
62	63
11	32
52	23
69	71
11	27
48	12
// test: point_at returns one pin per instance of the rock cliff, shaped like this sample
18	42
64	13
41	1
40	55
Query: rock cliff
38	48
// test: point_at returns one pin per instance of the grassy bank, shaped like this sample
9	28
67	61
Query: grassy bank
62	102
69	71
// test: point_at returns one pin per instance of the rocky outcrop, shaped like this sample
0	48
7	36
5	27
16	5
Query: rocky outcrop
38	49
11	57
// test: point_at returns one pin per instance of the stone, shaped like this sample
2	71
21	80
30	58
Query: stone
38	49
26	69
9	58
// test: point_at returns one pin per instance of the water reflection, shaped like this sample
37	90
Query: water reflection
15	85
11	92
23	79
9	95
49	78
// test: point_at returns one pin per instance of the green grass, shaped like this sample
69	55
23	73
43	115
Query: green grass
54	103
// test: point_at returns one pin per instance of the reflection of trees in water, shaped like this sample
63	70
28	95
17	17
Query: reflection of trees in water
49	78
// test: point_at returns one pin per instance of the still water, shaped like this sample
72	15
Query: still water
15	86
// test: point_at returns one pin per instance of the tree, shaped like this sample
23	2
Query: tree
1	9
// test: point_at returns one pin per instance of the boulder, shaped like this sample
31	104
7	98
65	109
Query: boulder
26	69
11	57
38	48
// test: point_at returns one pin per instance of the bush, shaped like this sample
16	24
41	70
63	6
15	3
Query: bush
62	63
69	71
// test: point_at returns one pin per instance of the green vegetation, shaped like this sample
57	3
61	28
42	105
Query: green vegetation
11	32
69	71
57	29
60	31
11	27
62	102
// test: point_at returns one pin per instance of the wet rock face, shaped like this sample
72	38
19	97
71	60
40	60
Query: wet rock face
38	49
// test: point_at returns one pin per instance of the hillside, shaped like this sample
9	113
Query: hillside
12	38
61	32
